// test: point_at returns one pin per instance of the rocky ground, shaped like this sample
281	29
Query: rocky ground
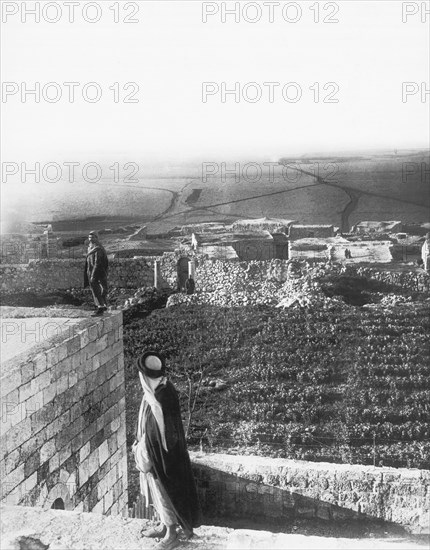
26	528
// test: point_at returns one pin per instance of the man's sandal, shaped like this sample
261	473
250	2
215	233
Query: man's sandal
155	532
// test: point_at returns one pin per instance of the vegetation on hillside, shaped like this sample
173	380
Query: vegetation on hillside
340	385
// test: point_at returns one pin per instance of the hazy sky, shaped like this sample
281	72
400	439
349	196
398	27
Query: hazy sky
170	52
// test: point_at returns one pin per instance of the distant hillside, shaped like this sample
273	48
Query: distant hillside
337	190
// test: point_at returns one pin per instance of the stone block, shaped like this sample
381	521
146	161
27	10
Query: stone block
12	480
105	390
77	426
108	500
101	343
62	351
111	368
73	344
12	414
54	463
84	451
30	483
109	417
47	451
105	356
90	350
108	324
10	382
27	371
93	333
83	472
77	442
121	434
52	358
16	436
73	378
25	392
80	388
65	453
341	514
10	462
112	444
118	348
97	440
103	452
49	393
77	360
323	512
303	511
95	363
32	464
93	462
85	337
40	363
111	338
62	384
41	381
102	487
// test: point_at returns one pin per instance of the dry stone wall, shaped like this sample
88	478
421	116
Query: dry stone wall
247	486
248	282
63	419
65	274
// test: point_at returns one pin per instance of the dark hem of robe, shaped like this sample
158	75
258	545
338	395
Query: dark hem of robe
173	468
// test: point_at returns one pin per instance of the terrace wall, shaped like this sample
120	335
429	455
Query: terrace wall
64	274
136	273
280	489
63	414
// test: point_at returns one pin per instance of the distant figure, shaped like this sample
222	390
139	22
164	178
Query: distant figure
331	252
425	253
161	455
348	254
95	274
190	285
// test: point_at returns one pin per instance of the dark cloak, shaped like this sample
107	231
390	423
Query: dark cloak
172	468
96	264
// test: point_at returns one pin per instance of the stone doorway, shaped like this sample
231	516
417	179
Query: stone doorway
182	270
58	504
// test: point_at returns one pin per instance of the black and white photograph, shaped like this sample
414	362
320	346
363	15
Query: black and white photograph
215	275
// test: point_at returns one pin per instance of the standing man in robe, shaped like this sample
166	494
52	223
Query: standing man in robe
161	455
95	274
190	285
425	253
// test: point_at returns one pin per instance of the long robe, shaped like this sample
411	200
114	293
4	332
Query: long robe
172	468
96	264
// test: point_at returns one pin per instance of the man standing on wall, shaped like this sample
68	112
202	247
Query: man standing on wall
161	455
425	253
95	274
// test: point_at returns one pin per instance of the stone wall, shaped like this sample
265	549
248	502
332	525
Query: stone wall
63	411
210	275
64	274
281	489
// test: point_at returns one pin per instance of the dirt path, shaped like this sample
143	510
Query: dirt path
354	196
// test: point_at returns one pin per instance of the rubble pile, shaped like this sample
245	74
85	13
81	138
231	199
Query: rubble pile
280	284
146	297
285	284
